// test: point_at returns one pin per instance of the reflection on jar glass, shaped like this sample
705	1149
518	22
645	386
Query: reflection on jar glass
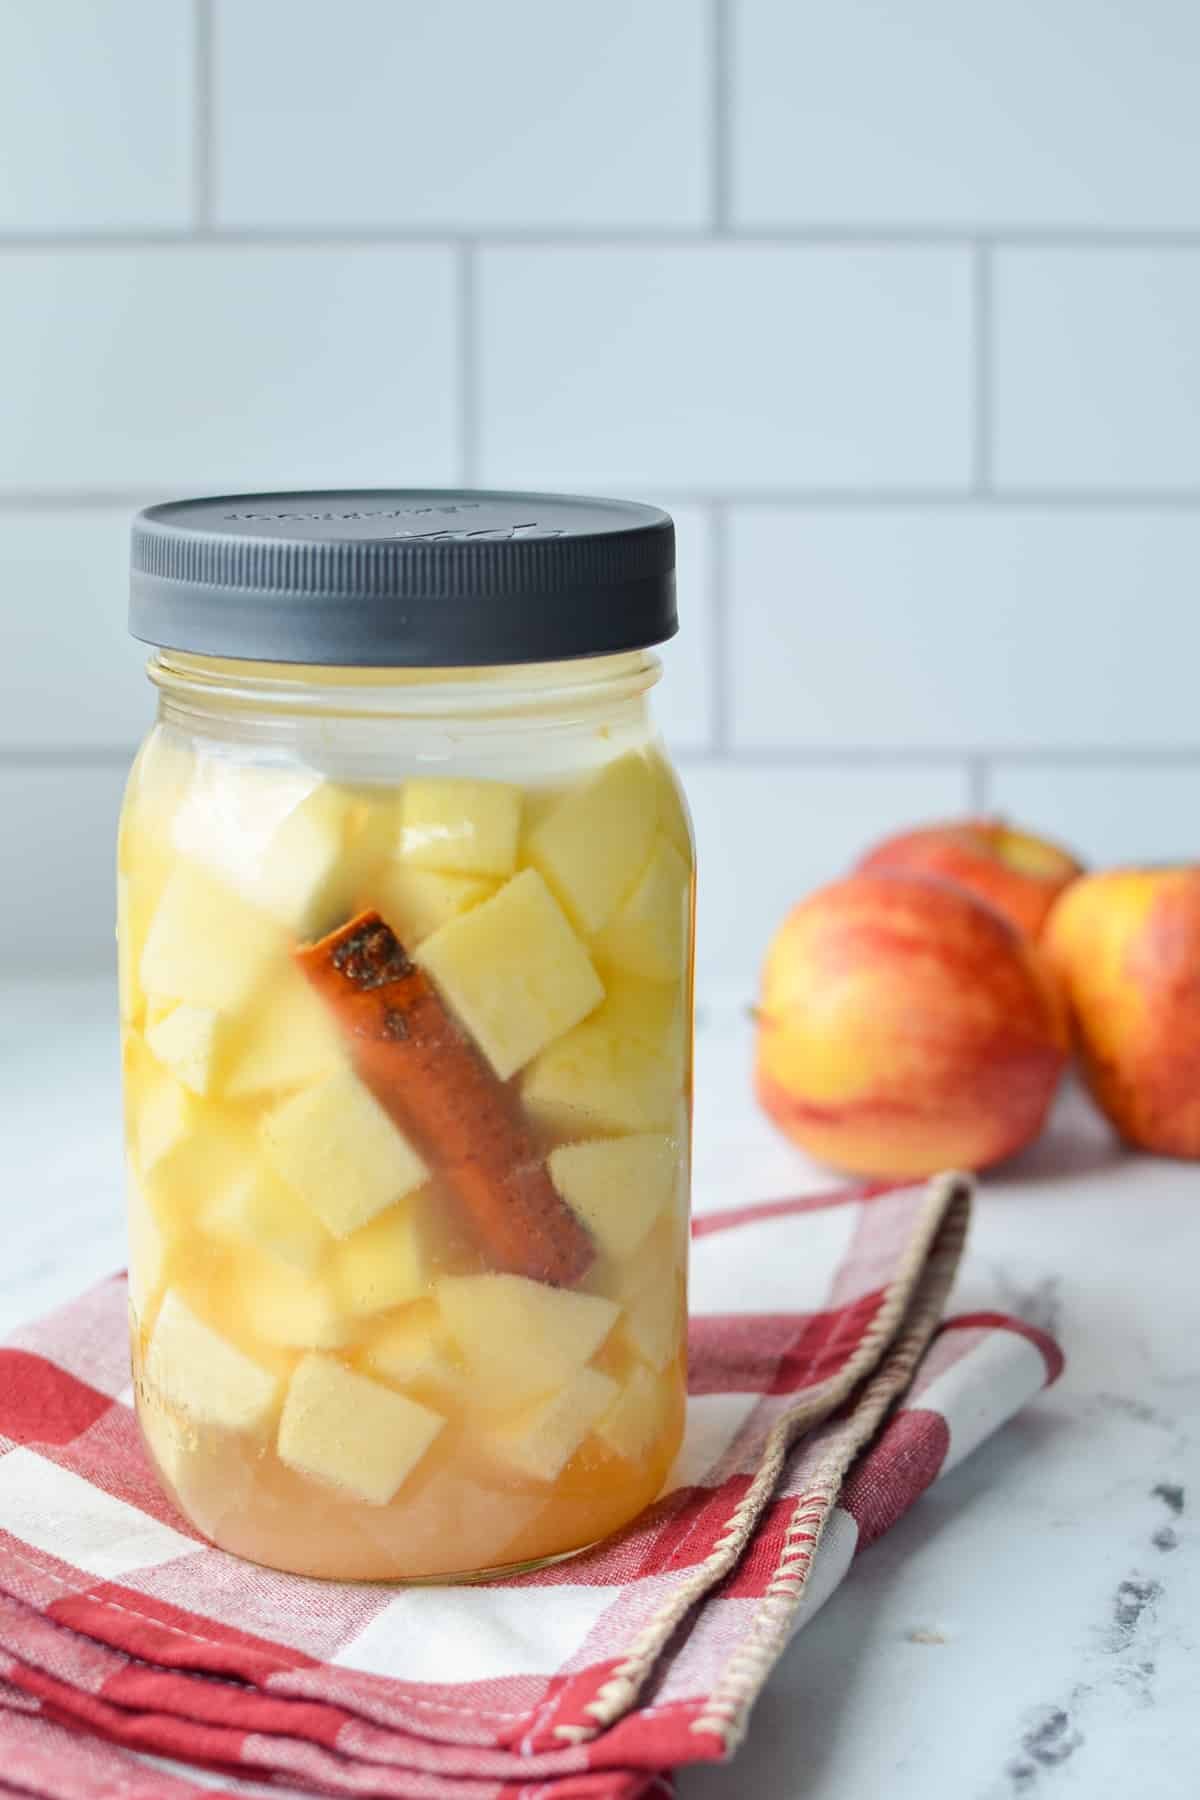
405	974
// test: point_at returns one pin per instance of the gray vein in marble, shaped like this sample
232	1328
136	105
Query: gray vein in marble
1052	1740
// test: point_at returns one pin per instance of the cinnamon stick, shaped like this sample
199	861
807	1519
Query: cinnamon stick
435	1083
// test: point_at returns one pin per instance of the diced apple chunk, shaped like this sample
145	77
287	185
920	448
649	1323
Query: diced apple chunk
165	1114
289	1041
461	827
260	1209
129	994
418	902
147	1248
412	1349
274	834
352	831
372	824
341	1427
661	1258
633	1424
648	933
301	848
206	1378
540	802
146	854
542	1440
521	1339
594	1082
651	1288
338	1148
382	1264
594	843
652	1324
617	1186
189	1040
301	864
645	1012
620	1070
200	1153
287	1308
673	820
205	945
514	972
158	783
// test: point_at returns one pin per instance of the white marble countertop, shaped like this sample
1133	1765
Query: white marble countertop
1032	1628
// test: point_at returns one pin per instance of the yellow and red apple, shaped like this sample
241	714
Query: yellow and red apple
1126	947
905	1027
1020	874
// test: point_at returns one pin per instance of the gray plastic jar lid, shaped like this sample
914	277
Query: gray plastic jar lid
402	577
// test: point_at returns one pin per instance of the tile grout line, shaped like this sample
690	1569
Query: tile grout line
983	391
959	756
69	756
82	499
979	784
467	359
720	117
203	147
720	674
665	236
864	499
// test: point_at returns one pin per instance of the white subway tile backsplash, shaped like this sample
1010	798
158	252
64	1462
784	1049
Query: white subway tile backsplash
70	673
948	582
961	628
711	367
463	115
62	825
1108	812
1097	371
222	368
95	115
940	113
767	836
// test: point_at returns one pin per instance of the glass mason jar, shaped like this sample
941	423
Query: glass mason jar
405	927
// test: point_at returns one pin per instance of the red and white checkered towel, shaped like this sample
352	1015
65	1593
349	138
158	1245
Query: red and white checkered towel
825	1396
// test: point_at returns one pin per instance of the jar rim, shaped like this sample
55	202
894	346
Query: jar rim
221	685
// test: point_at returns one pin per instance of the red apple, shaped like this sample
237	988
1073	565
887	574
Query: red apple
1020	874
1126	947
906	1027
